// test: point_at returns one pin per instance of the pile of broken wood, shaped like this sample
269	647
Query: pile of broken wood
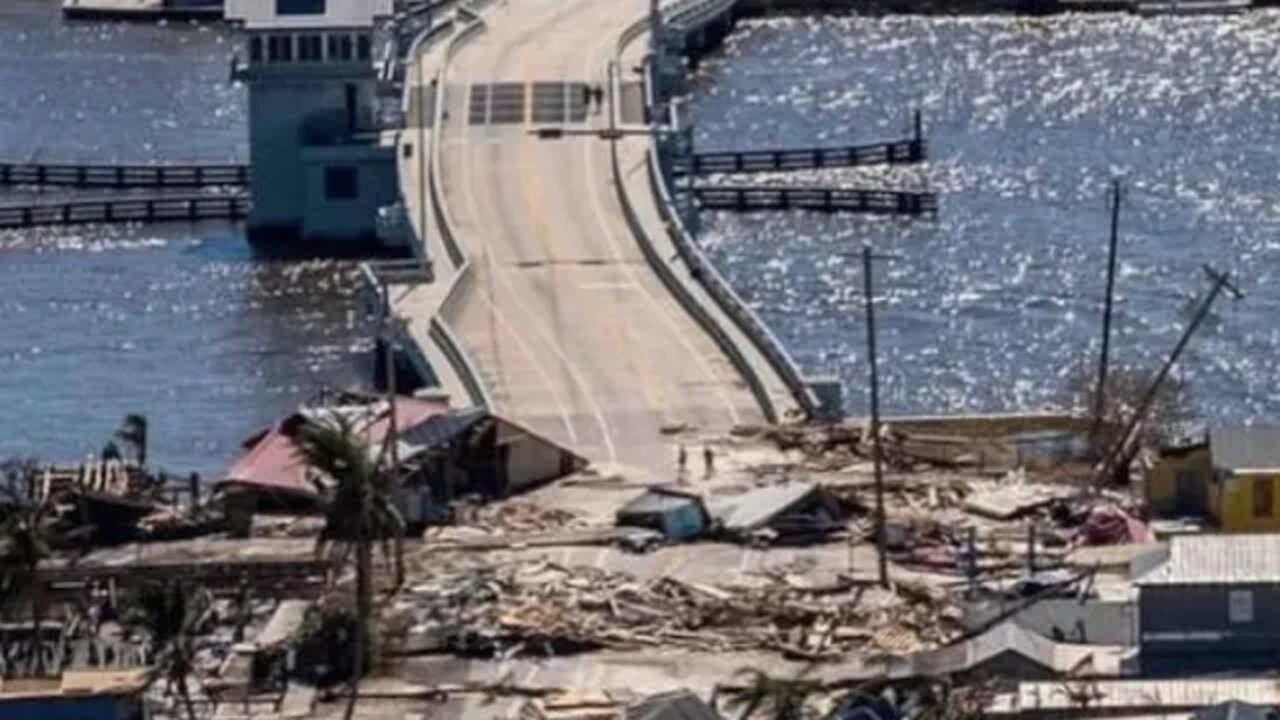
539	607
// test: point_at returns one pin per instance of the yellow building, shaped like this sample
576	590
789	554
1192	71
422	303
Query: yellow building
1232	478
1178	482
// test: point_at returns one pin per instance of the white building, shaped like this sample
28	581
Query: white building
320	172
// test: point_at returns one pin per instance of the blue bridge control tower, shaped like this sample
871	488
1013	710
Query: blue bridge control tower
321	169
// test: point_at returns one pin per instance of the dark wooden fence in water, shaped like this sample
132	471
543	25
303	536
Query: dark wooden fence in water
747	198
160	208
124	176
748	161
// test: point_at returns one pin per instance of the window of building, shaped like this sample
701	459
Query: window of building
341	182
255	49
286	48
344	47
300	7
310	48
1239	606
333	48
363	47
1263	497
273	48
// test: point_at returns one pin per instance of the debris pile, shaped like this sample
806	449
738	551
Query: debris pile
541	607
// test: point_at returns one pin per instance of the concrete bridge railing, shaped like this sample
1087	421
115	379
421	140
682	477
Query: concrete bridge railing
440	331
690	16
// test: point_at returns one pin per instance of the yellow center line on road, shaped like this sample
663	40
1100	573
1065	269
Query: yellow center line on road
623	343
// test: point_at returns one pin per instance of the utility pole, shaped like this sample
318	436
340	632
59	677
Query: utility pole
876	455
1100	393
1221	281
422	156
389	355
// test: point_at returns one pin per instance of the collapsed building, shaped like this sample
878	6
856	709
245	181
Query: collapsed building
442	454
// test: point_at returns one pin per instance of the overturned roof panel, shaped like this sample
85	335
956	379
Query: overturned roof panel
755	508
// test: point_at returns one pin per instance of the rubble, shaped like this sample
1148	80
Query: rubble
540	607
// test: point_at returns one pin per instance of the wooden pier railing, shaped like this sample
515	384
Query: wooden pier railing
748	161
122	210
124	176
747	198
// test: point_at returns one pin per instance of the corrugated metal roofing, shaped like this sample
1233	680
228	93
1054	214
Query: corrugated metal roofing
438	430
1254	448
757	507
1218	559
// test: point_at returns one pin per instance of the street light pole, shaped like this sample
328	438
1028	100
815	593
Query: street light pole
876	456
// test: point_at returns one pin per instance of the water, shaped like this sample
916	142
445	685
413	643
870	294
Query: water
995	305
177	322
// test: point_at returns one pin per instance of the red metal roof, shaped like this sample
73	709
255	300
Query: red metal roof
273	462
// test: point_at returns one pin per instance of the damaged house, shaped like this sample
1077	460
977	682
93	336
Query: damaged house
443	454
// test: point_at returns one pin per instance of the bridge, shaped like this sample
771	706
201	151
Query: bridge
567	295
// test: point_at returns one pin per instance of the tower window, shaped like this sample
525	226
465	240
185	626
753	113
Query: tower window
341	182
310	48
300	7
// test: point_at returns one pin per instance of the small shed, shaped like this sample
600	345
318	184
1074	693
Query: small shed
677	514
1177	482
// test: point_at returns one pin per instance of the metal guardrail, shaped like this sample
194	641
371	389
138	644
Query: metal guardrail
745	198
124	176
154	209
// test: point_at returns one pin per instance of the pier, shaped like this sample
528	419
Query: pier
781	160
751	198
159	208
124	176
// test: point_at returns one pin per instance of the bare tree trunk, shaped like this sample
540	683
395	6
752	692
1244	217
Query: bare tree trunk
185	693
364	609
399	559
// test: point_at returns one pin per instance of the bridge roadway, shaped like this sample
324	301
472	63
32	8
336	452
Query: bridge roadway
574	335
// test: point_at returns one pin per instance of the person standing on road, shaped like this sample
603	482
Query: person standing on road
708	460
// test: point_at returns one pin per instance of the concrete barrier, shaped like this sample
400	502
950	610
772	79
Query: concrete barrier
440	331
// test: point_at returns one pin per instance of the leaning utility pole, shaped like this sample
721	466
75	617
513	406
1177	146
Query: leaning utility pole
1100	393
876	456
1221	281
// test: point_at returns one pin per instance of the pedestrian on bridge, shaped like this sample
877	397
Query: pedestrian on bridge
682	460
708	460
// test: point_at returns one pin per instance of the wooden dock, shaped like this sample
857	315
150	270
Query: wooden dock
780	160
142	10
755	198
160	208
124	176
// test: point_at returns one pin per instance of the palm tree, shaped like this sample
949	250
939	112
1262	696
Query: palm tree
133	432
780	698
361	510
171	613
24	544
